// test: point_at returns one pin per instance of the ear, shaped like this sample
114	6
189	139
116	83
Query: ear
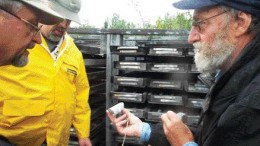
242	23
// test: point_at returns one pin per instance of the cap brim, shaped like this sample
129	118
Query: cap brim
193	4
67	14
47	15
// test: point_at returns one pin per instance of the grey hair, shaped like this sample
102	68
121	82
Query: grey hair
233	13
255	25
11	6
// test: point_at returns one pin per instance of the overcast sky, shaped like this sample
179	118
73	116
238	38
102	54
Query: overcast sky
95	12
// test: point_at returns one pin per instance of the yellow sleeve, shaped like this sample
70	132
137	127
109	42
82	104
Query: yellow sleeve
81	121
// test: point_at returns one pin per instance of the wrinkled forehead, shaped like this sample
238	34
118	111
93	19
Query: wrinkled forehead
30	11
205	11
30	14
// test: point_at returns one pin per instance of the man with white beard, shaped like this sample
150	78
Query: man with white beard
226	37
209	57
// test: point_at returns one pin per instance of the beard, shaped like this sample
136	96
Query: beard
53	38
210	57
21	60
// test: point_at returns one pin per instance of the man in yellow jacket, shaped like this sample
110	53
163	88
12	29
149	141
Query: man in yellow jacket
41	101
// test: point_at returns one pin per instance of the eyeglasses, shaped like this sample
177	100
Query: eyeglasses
199	23
33	26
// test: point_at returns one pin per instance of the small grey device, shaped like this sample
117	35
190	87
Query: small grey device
181	115
116	109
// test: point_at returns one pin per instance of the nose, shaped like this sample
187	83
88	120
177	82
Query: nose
37	38
194	35
65	23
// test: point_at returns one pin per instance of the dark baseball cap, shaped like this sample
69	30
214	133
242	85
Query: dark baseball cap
248	6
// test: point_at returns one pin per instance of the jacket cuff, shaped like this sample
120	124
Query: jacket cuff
158	137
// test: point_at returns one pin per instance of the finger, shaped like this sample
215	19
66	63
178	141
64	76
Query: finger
167	132
166	123
170	119
166	117
172	116
127	112
165	129
121	128
121	123
121	118
115	121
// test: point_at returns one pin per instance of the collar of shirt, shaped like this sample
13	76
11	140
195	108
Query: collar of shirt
54	48
218	74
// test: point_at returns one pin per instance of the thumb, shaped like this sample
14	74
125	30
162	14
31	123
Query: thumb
127	112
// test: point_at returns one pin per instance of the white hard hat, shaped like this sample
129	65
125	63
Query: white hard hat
68	9
49	16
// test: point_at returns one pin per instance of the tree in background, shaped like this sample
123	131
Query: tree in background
86	26
180	21
118	23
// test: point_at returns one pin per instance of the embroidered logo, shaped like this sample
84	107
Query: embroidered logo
71	71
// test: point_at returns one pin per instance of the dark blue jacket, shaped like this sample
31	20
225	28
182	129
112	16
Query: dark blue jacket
232	115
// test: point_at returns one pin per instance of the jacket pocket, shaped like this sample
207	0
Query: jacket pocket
23	108
251	101
70	68
72	64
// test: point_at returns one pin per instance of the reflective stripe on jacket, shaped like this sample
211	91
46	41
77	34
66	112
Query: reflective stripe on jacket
43	99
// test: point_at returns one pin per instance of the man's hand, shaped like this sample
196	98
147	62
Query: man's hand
120	123
84	142
175	130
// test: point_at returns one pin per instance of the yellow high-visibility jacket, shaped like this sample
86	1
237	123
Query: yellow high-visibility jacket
42	100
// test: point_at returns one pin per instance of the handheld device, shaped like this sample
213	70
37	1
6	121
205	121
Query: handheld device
181	115
116	109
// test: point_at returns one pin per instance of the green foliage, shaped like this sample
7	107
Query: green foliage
118	23
148	26
180	21
86	26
